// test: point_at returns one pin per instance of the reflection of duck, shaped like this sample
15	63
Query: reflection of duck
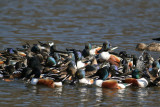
151	47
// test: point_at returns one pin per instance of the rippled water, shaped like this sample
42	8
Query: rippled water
70	24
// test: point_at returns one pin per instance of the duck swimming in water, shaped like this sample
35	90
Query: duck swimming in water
150	47
102	67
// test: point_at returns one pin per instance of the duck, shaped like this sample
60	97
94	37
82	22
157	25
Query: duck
78	60
33	62
8	71
141	82
111	84
85	52
144	60
112	59
137	80
105	47
71	70
80	76
91	69
34	76
50	62
46	45
150	47
154	70
99	49
102	73
45	82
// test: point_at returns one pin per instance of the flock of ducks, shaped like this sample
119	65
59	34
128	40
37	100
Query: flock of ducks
44	64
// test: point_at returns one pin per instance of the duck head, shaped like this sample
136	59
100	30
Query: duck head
26	46
123	54
53	48
78	55
136	74
103	73
106	45
50	61
86	51
35	48
88	46
141	47
80	74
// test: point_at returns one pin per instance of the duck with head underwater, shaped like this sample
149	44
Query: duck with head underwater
71	71
102	73
36	80
112	59
80	76
153	73
78	59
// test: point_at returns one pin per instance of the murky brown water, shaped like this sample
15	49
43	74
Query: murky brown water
71	23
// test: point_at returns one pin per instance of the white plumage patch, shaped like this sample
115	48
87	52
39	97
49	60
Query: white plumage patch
86	81
104	55
80	64
34	81
58	84
1	76
142	82
123	85
98	83
51	44
92	51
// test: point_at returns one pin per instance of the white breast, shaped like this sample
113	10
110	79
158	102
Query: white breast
104	55
142	82
80	64
98	83
85	81
34	81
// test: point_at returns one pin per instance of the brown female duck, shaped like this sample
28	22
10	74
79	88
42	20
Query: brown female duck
151	47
